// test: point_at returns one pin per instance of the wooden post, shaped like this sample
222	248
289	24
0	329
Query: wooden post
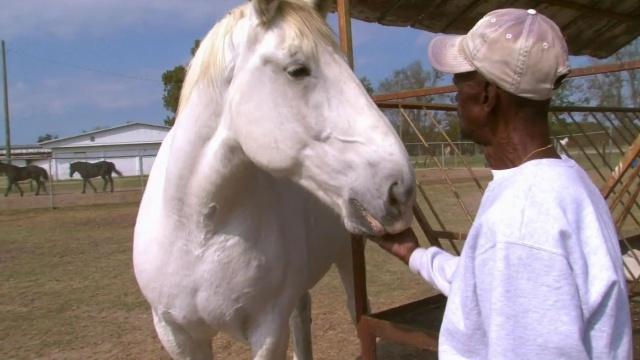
367	338
6	105
344	25
51	205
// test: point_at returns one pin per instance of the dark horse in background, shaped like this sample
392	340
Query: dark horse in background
89	170
21	173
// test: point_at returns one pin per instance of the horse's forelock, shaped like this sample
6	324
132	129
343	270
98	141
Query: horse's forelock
306	28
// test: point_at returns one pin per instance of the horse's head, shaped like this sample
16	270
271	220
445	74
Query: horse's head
296	109
72	169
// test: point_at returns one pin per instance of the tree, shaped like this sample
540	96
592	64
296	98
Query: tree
172	80
366	82
415	76
46	137
571	93
620	88
616	89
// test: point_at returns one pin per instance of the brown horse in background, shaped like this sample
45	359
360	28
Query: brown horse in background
21	173
89	170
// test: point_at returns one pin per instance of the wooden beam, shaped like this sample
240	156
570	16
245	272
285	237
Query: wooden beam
416	105
578	72
591	10
625	163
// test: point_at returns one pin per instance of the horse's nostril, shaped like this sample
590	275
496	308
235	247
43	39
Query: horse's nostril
398	196
392	196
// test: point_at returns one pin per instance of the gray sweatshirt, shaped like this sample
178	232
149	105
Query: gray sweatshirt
540	275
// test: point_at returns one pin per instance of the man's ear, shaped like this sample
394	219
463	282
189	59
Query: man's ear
490	95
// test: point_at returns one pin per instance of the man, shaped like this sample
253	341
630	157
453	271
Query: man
540	275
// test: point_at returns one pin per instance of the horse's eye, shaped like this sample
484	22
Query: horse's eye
299	71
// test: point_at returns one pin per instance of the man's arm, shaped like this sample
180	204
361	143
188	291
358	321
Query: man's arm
434	265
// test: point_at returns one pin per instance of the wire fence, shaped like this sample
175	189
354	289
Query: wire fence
454	155
65	189
598	151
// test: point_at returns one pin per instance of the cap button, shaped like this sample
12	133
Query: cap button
531	11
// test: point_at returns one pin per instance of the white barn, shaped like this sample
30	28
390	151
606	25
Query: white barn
131	147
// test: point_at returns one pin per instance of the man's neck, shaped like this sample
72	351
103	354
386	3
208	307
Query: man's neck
517	139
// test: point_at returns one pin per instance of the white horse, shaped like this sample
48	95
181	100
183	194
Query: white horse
277	154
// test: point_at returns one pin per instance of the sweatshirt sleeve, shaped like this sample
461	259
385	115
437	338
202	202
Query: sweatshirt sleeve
435	265
529	303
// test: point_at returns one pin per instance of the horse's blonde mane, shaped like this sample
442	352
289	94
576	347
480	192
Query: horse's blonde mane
209	60
303	26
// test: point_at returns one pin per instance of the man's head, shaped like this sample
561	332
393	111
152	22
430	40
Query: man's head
511	56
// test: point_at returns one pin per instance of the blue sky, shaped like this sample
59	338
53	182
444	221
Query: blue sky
141	39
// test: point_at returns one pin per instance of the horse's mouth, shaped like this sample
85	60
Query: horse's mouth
370	225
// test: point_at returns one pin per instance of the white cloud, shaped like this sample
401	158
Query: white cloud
68	18
59	95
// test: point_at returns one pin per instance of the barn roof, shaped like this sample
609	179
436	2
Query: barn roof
596	28
103	130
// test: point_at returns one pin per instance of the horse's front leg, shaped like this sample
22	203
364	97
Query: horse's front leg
104	185
269	336
91	184
19	188
8	188
301	324
179	343
110	182
37	187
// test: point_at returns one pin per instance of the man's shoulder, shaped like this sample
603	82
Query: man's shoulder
546	206
551	180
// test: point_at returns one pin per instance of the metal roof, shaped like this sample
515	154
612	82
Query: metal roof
49	142
596	28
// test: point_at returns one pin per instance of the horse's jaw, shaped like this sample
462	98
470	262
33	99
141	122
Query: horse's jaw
365	222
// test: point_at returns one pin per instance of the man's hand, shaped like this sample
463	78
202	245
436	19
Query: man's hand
399	245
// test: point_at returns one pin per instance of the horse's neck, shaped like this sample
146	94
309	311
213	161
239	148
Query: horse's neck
205	169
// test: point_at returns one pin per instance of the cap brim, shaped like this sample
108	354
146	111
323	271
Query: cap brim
445	54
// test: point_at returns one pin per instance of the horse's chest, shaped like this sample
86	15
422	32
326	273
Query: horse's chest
229	273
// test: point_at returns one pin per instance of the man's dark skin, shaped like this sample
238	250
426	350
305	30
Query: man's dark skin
510	129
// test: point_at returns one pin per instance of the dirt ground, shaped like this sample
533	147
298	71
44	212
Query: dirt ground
67	291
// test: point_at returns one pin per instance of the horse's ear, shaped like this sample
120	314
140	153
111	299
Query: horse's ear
321	6
265	9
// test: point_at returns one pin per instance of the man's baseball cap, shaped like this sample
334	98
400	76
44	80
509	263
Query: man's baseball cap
520	51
